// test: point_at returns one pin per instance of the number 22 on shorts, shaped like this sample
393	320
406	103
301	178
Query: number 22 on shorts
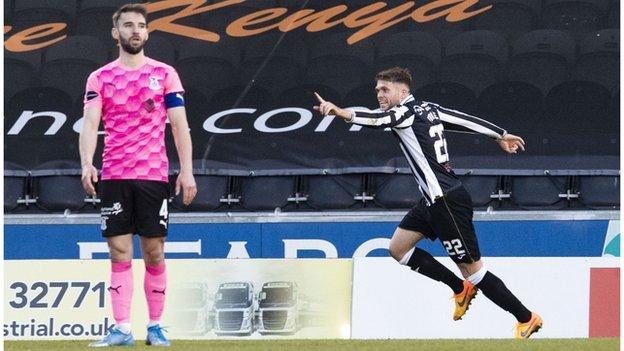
453	247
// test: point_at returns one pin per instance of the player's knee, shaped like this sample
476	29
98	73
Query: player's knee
468	269
153	251
153	255
397	250
120	253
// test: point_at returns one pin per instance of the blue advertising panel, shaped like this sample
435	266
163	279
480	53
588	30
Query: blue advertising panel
553	238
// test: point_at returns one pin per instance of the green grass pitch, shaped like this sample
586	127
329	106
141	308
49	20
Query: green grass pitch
593	344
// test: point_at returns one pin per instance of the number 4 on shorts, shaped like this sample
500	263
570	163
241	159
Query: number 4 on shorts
163	210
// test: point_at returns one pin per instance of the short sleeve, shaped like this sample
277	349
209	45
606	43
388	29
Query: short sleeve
93	95
173	83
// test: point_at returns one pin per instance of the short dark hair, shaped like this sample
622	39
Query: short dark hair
138	8
395	75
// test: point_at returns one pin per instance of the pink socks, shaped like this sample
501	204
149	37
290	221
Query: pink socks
155	284
121	289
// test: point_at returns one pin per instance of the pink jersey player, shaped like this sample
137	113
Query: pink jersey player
135	95
133	103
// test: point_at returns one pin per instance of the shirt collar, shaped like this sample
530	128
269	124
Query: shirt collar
407	99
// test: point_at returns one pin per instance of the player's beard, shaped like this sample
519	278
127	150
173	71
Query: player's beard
126	45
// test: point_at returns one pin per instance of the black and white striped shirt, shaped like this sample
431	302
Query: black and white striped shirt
420	126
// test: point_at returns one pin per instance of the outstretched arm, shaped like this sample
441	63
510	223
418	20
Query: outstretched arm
398	116
458	121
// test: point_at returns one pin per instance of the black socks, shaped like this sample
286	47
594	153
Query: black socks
495	290
423	263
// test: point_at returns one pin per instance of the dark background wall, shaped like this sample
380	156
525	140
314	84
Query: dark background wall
547	70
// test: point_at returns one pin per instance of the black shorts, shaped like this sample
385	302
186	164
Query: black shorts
134	206
450	220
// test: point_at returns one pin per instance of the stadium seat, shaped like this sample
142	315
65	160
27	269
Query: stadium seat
67	65
585	106
508	17
210	189
196	104
159	48
37	99
583	103
515	106
542	58
539	192
333	192
237	96
600	191
450	95
302	95
474	59
58	187
613	20
32	132
16	179
266	193
510	97
20	71
336	64
217	20
575	16
443	30
363	96
420	52
599	58
614	109
30	13
480	188
208	67
273	59
94	18
395	191
8	13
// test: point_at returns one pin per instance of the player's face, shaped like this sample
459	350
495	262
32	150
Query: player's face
390	94
131	32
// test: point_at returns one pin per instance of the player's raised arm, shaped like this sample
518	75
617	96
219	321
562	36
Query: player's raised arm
390	118
87	144
328	108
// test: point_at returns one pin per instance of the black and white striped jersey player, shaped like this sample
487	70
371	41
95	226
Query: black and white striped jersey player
446	212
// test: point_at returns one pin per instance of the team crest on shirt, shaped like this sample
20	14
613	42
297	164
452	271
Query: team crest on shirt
154	83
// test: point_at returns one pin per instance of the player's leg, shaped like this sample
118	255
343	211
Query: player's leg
496	290
152	223
451	219
411	230
121	281
117	227
155	281
454	218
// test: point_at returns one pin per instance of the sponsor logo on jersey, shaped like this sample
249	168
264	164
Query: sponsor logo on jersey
148	105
